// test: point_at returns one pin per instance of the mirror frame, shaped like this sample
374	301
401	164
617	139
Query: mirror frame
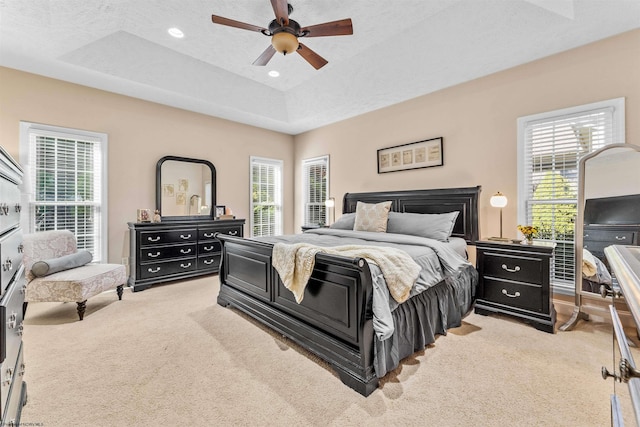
159	189
578	312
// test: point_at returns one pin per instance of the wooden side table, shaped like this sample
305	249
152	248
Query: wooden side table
515	280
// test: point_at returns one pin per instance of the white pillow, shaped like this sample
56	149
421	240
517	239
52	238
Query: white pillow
372	217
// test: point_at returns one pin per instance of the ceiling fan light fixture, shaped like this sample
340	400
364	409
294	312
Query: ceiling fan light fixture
284	42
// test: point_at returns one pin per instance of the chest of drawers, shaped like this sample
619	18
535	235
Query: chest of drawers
598	237
13	390
162	252
515	280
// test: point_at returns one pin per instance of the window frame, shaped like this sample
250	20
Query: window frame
279	223
306	163
617	135
27	129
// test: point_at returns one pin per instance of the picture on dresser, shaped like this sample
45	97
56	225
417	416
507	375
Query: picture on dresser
220	210
144	215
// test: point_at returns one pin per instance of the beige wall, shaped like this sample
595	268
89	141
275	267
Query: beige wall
478	122
140	133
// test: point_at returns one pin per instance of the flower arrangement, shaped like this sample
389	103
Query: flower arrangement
528	231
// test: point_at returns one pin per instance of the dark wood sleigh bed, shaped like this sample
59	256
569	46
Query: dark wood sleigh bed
334	321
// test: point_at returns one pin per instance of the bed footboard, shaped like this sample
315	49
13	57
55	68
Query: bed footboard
334	321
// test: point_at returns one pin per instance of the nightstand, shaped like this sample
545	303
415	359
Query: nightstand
515	280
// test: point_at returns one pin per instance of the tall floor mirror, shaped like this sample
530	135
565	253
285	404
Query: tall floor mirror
608	214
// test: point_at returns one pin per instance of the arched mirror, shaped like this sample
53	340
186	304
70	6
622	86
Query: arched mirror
185	188
608	214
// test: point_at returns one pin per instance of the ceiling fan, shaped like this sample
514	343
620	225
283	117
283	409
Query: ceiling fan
284	33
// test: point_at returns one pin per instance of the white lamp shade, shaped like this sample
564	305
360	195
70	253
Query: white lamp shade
330	202
498	200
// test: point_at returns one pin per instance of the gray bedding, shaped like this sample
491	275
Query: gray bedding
436	260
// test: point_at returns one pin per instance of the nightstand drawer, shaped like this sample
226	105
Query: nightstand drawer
521	295
512	267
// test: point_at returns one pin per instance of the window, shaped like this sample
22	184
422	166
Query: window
550	146
65	183
316	187
266	197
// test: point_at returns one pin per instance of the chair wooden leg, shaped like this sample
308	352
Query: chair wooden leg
119	291
81	308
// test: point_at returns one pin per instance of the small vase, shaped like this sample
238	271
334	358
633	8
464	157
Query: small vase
529	240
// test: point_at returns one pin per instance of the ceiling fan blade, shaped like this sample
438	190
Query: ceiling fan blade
311	57
342	27
265	56
237	24
281	9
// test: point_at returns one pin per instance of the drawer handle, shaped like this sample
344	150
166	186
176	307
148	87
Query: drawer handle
208	248
8	376
188	236
208	234
514	270
153	239
516	295
185	266
185	251
586	235
621	237
7	265
151	270
233	233
208	261
157	254
18	208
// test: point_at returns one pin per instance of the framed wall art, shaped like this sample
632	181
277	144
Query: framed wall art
415	155
219	211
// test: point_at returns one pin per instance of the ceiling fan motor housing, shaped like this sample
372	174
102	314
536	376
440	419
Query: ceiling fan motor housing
285	37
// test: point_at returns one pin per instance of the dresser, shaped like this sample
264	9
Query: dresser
515	280
625	268
611	221
167	251
13	390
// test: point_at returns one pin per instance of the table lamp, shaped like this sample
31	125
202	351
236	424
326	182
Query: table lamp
499	200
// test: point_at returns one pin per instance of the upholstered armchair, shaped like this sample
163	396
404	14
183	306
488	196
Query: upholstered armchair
57	272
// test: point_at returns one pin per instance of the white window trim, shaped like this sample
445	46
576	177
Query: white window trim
26	128
305	179
618	105
280	164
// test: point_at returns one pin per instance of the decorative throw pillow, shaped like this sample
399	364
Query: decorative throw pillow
66	262
372	217
433	226
345	222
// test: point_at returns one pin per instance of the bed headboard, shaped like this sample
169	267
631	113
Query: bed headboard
464	200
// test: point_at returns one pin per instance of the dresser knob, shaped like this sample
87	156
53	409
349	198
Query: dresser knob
153	239
621	237
188	236
606	374
185	266
185	251
208	234
516	295
151	270
513	270
233	233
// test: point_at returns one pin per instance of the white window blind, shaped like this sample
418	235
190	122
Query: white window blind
316	187
67	184
266	197
551	147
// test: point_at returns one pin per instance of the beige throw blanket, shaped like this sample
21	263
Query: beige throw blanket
589	268
295	262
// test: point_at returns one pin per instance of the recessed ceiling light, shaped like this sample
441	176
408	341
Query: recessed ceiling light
175	32
274	73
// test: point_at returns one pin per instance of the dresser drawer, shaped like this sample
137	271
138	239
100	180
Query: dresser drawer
156	253
160	269
11	320
12	406
513	294
210	262
208	233
166	237
10	256
512	267
613	237
206	248
9	205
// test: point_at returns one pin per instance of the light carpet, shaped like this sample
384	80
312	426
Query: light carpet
170	355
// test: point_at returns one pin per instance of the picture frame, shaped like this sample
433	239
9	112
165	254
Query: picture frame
414	155
219	211
143	215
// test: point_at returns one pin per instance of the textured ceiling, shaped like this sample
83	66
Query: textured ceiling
400	49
